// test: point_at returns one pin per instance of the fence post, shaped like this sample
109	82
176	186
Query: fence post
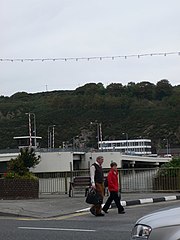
178	179
71	170
66	183
120	185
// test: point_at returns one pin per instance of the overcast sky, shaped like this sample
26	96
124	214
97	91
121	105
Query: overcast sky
75	28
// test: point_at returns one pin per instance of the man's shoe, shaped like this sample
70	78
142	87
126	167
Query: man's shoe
93	211
100	215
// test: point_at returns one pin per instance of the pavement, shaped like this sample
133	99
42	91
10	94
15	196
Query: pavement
50	206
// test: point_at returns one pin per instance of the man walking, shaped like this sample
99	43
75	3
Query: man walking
97	181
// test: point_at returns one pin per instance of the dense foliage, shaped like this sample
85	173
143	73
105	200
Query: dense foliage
171	168
20	166
142	110
174	163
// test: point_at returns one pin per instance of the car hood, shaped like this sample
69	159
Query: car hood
162	218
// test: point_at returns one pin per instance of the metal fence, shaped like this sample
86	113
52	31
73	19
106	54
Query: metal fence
137	180
58	182
131	180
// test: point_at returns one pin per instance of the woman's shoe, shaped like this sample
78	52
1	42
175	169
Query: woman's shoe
121	212
105	211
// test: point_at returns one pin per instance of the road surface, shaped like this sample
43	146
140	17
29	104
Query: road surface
81	226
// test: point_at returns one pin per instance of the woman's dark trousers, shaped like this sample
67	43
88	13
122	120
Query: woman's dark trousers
113	196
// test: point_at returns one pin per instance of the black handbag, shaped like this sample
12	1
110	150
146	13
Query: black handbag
94	197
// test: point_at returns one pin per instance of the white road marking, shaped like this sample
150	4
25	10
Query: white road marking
83	210
58	229
87	209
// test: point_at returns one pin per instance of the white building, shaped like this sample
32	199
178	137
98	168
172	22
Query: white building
62	161
133	147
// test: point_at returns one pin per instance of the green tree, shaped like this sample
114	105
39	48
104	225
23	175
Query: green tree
21	165
163	89
90	89
171	168
145	90
115	89
174	163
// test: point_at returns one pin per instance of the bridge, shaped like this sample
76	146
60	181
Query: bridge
59	160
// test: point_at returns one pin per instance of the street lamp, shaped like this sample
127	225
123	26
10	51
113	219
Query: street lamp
34	129
99	132
126	141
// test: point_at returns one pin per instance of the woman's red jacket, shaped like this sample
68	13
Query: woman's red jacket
113	185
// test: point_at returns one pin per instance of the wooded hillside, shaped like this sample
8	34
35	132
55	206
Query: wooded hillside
141	110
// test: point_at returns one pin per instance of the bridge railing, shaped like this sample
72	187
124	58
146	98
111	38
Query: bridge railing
131	180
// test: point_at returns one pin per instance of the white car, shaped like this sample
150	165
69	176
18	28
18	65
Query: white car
161	225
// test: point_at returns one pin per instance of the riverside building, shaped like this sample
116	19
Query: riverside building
132	147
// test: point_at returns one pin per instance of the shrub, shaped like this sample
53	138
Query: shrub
20	166
171	168
174	163
12	175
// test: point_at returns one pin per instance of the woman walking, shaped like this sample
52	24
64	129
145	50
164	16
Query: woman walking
113	188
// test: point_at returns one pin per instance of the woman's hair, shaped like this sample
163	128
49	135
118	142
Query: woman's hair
113	164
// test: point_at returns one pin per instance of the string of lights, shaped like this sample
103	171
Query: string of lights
89	58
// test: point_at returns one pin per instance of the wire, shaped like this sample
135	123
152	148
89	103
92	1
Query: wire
89	58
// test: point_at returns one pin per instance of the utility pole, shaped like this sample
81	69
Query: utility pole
101	137
35	140
30	130
51	136
99	132
30	133
29	127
